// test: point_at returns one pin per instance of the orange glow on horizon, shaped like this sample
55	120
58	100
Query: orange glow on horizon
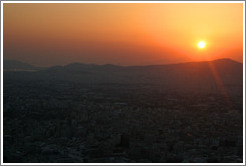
122	34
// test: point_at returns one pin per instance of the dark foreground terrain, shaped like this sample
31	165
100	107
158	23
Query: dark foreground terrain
72	115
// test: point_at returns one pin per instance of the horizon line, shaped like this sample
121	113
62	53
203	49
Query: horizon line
83	63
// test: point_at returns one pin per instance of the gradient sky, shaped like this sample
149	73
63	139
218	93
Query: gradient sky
122	34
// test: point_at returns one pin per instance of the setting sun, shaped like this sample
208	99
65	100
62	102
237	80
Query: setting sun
201	44
123	34
122	82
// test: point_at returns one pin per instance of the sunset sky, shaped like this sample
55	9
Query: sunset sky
122	34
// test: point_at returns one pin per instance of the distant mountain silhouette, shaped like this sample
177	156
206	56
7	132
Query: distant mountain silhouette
80	67
93	67
206	76
14	65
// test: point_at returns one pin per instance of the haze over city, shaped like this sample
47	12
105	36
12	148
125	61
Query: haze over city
123	83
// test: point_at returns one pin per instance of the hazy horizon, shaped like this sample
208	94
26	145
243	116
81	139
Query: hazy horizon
122	34
123	83
124	65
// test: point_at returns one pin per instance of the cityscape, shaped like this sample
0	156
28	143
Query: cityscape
122	82
49	119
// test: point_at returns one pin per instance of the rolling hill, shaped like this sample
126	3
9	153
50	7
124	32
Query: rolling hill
206	76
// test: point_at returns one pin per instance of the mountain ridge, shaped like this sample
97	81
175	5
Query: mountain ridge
205	76
15	64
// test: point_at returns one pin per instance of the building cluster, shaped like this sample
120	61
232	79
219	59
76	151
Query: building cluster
72	125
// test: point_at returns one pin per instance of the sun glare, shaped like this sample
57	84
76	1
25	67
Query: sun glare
201	44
